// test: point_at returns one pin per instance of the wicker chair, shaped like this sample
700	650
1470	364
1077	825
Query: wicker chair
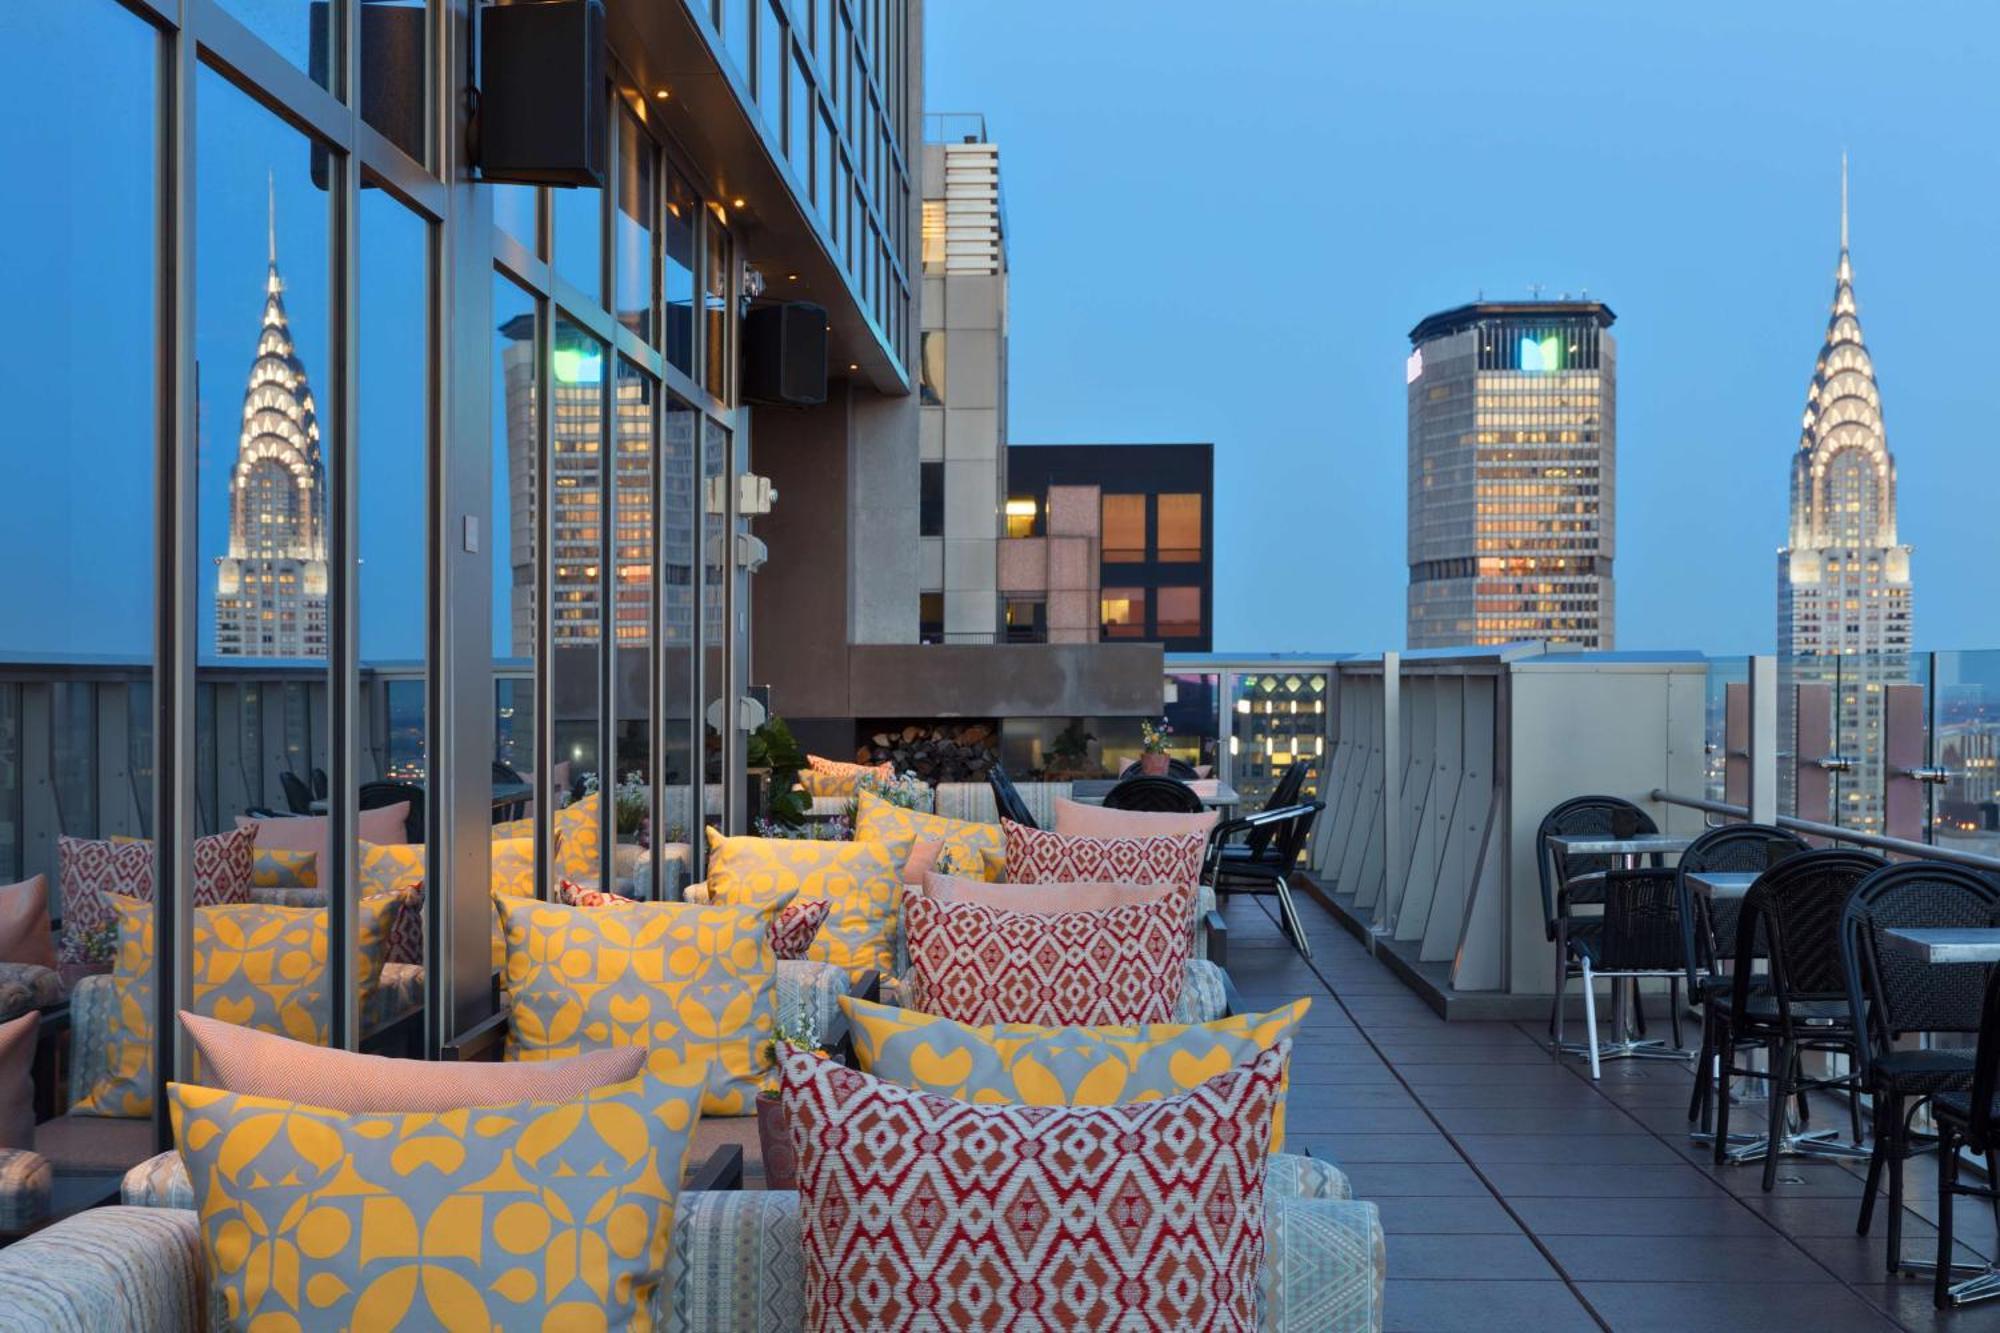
298	796
1972	1119
1582	877
1154	795
1256	844
1895	996
1007	799
1639	936
1293	831
376	795
1791	915
1708	929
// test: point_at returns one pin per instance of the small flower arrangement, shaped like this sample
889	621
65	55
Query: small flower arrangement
906	790
803	1037
831	828
1154	740
629	802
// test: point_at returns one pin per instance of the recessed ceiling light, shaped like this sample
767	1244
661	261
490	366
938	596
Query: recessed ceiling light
853	366
791	277
736	203
662	95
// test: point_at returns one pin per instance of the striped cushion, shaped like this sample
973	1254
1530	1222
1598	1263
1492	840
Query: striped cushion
108	1269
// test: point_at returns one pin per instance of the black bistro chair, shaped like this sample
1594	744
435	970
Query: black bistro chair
376	795
319	784
1895	996
1154	796
1256	845
1007	799
1572	881
1792	918
1970	1119
1638	936
298	796
1292	833
1708	929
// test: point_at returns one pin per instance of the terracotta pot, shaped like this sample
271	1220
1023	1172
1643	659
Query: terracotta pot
1155	765
774	1137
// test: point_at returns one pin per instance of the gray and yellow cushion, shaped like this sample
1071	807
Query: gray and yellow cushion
25	1180
26	986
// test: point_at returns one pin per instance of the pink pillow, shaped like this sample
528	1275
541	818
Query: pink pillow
24	923
1095	897
263	1064
307	833
924	853
17	1081
1040	856
1075	819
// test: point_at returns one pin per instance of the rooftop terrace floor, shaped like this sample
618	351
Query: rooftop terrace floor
1516	1194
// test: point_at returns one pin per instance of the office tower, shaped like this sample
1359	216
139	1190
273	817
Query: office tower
1513	462
1843	577
962	383
270	589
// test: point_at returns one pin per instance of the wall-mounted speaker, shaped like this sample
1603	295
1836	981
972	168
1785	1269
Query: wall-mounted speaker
542	96
784	355
392	74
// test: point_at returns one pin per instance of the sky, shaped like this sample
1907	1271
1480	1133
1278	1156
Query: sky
1225	219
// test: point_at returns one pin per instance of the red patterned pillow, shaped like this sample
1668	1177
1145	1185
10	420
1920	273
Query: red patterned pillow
89	868
791	931
920	1212
1037	856
981	965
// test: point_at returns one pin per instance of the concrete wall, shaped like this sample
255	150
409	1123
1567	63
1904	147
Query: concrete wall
1007	680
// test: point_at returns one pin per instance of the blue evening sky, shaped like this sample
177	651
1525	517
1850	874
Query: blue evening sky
1226	218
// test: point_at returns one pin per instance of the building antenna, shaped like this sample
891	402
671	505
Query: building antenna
1843	199
271	214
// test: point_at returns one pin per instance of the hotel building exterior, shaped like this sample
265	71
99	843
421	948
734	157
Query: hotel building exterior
1513	447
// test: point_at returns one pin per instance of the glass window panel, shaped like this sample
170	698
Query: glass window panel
930	616
677	271
576	552
798	118
1124	532
714	624
1180	527
1178	613
298	30
392	444
516	474
1122	612
77	375
823	167
1027	620
715	277
514	213
579	226
631	616
676	533
931	373
394	65
930	499
1193	704
735	26
1277	719
634	224
771	64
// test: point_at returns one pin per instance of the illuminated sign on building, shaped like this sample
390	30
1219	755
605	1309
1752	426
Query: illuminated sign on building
1413	369
1540	354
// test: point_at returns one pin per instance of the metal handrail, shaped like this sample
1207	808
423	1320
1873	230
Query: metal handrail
1835	833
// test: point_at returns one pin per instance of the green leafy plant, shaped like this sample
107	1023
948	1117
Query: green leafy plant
774	747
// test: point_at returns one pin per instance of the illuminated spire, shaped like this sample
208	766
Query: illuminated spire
1843	201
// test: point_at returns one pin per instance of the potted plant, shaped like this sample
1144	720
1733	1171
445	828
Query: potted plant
1153	758
774	1131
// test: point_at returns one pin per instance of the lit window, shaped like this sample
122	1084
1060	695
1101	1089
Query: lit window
1124	529
1122	613
1180	528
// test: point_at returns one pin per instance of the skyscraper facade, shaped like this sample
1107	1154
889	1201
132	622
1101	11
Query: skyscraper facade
1843	576
271	587
1513	447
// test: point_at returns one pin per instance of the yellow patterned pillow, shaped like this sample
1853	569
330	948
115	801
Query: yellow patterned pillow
515	828
1075	1066
514	867
391	867
256	966
834	780
578	848
279	868
899	830
693	985
545	1215
858	878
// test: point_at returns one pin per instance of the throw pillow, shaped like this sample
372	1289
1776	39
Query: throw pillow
91	869
398	868
1045	897
859	879
260	967
1068	1066
308	833
921	1212
526	1214
693	985
1077	819
17	1082
830	778
284	868
578	846
262	1064
791	931
24	923
903	831
978	964
1038	856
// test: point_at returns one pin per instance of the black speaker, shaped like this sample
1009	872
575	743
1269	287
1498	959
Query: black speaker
542	97
392	75
784	355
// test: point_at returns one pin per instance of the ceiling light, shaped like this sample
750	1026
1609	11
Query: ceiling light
662	95
736	203
791	277
852	366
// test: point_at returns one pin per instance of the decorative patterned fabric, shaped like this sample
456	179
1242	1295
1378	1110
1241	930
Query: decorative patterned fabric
1045	897
1204	996
979	965
26	987
1325	1268
1068	1066
308	833
858	878
737	1263
921	1212
531	1214
398	868
26	1179
24	923
693	985
107	1270
513	867
1079	819
1037	856
792	929
93	1017
974	800
158	1182
515	828
831	778
262	967
1289	1176
290	896
90	869
579	846
809	994
283	868
17	1081
879	821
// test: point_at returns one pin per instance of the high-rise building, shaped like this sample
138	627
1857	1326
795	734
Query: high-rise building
270	589
1513	467
962	363
1843	577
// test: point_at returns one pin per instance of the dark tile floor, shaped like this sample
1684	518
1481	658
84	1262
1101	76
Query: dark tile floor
1518	1195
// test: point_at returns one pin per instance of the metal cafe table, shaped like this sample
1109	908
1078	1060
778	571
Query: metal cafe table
1951	946
1628	849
